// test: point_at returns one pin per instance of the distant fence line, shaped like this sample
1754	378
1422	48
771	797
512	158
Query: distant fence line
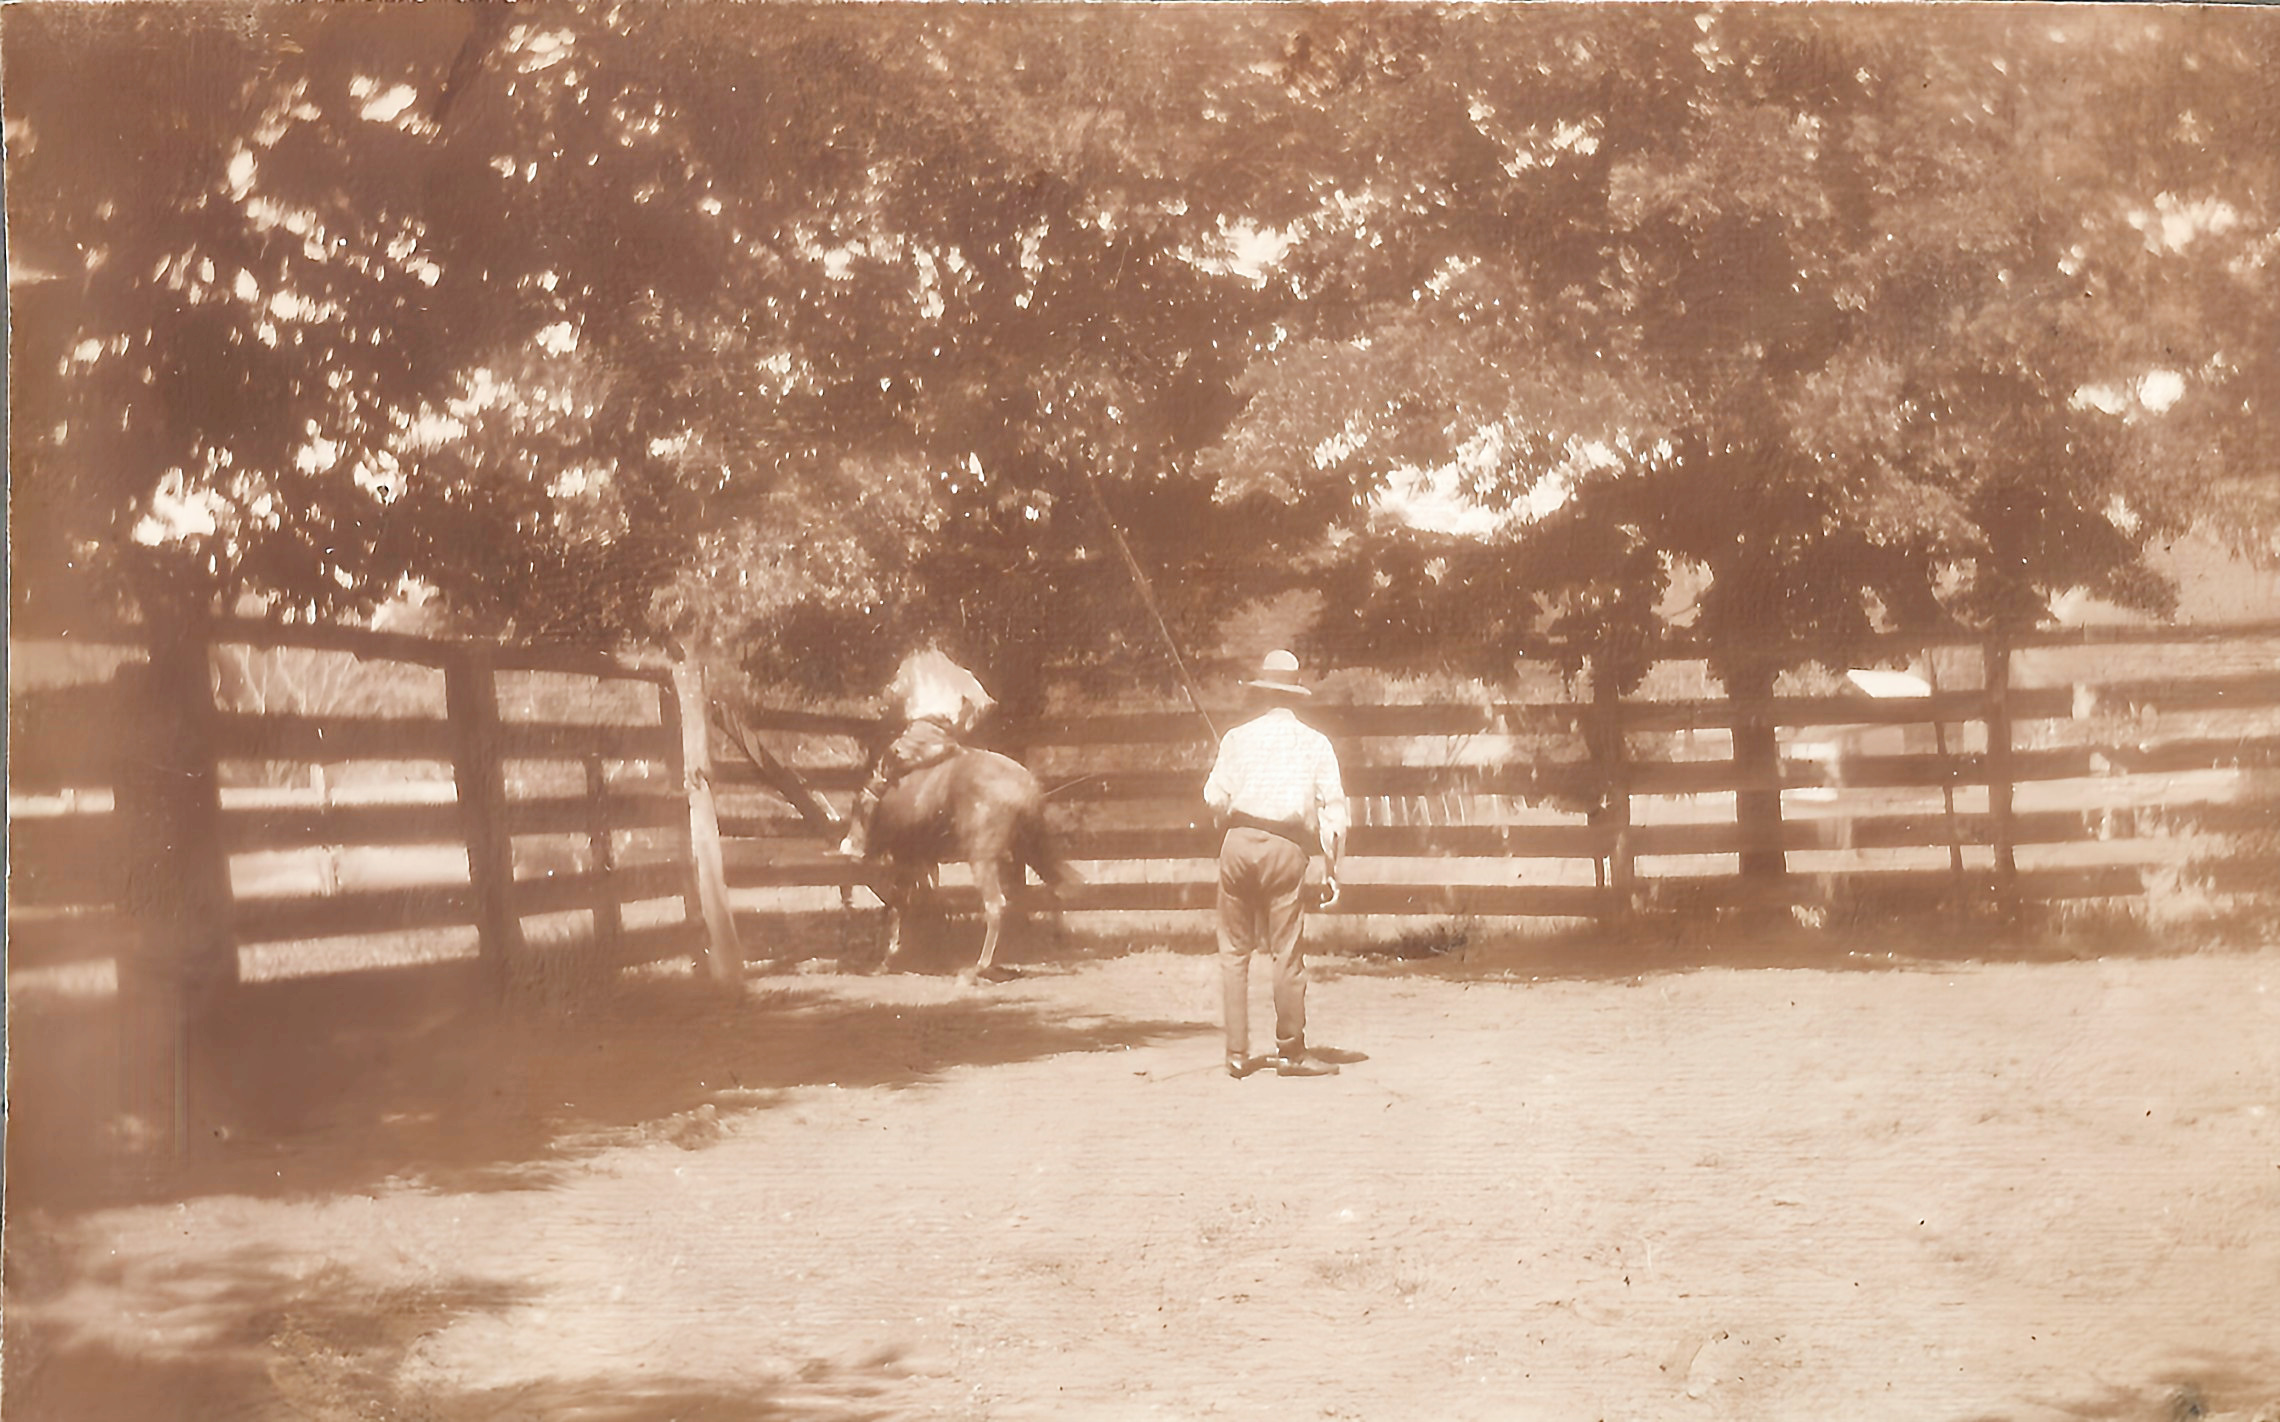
123	811
79	869
544	810
514	788
1997	794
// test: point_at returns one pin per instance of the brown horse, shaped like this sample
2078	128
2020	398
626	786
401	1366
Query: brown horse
978	807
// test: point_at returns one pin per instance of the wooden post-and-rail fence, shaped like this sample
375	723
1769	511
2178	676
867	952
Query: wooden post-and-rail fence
548	810
545	809
2067	766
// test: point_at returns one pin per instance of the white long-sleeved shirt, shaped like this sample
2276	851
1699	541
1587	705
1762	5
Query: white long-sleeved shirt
1275	767
929	686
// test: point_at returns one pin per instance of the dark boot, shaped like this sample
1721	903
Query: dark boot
858	841
1291	1061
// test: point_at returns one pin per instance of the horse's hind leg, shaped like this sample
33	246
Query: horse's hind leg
894	938
899	893
989	877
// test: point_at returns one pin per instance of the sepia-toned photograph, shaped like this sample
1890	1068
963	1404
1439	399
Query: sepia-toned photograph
846	712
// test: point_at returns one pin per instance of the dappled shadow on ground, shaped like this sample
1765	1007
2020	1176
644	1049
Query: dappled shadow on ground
1653	944
2196	1387
1669	935
937	938
339	1083
266	1334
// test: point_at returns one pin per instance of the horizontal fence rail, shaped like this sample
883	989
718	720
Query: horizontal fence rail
522	785
386	804
231	799
2090	787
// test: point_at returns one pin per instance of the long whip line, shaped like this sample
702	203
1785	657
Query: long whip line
1148	599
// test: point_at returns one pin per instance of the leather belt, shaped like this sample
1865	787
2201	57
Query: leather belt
1297	834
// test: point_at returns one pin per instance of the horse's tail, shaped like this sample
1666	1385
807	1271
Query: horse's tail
1041	853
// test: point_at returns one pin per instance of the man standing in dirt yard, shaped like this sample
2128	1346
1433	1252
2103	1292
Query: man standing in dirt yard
1276	794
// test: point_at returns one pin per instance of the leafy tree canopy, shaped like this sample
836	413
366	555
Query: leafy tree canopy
1864	317
801	333
568	314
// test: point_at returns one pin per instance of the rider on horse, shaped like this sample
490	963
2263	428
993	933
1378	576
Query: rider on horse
939	702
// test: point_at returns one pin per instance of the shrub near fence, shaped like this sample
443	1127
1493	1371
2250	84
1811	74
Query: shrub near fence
2091	765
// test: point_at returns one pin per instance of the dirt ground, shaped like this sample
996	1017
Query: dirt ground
1556	1185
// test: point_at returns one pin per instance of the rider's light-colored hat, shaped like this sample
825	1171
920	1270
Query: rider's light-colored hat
1278	672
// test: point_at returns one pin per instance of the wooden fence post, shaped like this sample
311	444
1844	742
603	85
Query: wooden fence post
1959	886
478	771
609	915
184	962
1996	655
723	954
669	716
1611	749
1757	770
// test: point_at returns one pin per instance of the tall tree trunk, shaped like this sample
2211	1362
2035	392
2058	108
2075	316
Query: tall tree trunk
1757	766
177	982
1610	751
722	952
2004	833
478	773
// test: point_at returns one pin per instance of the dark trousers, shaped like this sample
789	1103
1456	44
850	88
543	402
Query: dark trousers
921	744
1260	875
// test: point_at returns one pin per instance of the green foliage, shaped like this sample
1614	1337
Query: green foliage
236	304
605	306
1808	302
798	335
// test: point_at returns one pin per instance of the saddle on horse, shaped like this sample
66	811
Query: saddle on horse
921	744
940	701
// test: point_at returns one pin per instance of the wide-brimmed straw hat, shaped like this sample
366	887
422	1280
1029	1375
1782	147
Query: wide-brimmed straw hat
1278	672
